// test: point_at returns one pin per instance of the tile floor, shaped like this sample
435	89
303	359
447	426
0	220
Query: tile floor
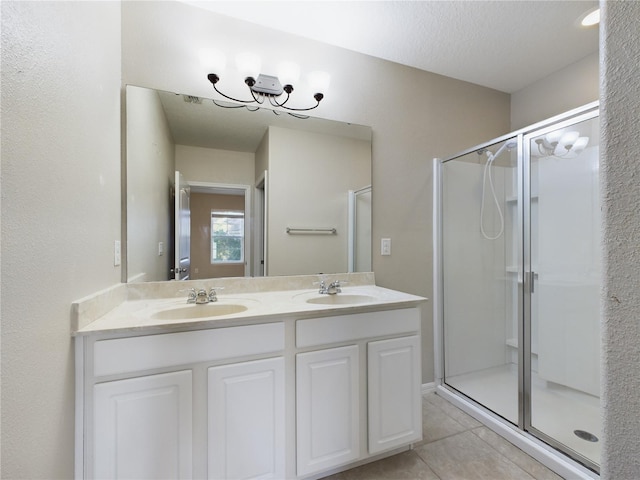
455	447
556	410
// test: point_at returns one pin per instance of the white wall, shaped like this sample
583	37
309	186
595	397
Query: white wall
60	213
564	90
310	175
150	174
620	189
415	116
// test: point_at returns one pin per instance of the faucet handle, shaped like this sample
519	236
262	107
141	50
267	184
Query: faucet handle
323	286
213	296
191	297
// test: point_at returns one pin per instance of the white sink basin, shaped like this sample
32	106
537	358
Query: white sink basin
341	299
198	311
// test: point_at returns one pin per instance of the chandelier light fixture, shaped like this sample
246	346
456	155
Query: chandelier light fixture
270	88
562	144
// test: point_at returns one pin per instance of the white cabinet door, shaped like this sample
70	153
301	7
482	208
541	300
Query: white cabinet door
327	408
246	420
143	427
395	411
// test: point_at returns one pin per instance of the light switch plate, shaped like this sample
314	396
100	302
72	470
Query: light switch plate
385	246
117	254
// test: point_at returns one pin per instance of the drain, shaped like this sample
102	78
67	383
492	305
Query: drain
589	437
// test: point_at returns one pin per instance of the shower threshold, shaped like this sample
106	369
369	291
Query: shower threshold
545	454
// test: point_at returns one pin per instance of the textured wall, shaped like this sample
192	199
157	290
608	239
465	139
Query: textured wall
620	176
60	213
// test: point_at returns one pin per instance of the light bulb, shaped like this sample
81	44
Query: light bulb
288	73
579	145
319	81
248	64
591	18
569	138
552	138
213	61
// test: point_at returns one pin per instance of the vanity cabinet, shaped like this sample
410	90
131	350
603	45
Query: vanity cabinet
328	410
143	427
394	393
196	404
246	420
361	399
301	395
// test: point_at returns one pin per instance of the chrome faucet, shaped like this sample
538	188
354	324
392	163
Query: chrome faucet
200	297
331	289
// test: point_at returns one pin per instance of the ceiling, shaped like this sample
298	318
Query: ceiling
505	45
198	122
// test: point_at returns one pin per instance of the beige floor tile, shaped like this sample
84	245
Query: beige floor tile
517	456
454	412
404	466
436	424
466	456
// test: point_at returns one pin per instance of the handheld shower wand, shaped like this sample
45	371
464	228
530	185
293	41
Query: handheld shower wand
487	169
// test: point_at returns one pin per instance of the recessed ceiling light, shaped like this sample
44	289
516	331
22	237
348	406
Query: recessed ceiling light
592	17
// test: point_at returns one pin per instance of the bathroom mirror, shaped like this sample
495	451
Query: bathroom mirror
293	195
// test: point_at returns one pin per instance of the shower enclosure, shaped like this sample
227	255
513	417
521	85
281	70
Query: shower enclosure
517	257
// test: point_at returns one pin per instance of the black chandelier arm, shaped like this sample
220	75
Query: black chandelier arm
213	78
274	101
282	105
248	106
226	106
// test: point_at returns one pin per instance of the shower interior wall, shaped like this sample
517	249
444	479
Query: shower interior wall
565	332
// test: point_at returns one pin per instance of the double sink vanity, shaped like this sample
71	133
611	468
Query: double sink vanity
272	379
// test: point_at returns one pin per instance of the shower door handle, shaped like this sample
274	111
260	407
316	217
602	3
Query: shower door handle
533	277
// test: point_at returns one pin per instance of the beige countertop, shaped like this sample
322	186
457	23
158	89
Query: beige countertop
148	308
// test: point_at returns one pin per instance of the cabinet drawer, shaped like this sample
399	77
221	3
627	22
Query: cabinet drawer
127	355
346	328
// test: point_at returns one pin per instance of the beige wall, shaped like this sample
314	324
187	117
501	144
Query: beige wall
60	213
213	165
201	206
62	72
564	90
310	175
150	174
415	116
61	172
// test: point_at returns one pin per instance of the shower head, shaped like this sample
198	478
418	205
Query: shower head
509	145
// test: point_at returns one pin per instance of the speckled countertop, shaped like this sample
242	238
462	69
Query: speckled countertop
162	306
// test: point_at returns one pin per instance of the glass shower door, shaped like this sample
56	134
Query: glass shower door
564	283
480	294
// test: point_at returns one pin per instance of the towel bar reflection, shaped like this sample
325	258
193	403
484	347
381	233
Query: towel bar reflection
321	231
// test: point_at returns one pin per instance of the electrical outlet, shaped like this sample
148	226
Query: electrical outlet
160	249
117	254
385	246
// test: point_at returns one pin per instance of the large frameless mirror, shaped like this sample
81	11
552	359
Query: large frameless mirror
262	194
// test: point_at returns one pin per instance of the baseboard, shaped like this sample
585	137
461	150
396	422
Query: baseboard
428	388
